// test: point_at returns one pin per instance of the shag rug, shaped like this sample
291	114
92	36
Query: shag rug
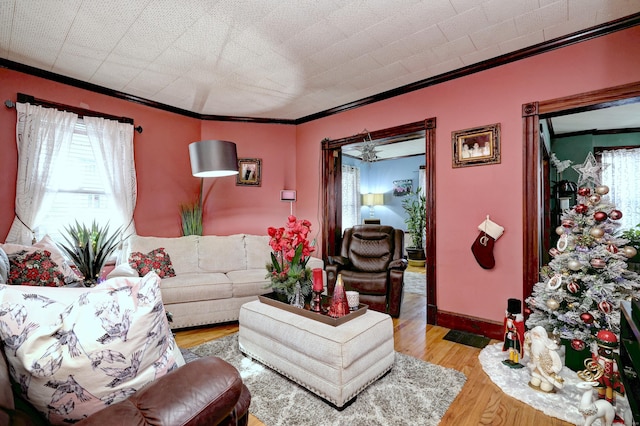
414	392
415	282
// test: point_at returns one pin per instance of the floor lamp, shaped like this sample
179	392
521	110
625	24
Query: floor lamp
212	158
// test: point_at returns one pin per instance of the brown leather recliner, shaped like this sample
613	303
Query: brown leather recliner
371	262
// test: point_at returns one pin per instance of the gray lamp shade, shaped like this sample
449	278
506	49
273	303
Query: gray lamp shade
213	158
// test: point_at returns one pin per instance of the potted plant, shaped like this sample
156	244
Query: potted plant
90	247
415	205
191	218
633	235
288	269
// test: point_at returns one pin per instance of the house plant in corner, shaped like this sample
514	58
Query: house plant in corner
288	270
633	235
415	205
90	247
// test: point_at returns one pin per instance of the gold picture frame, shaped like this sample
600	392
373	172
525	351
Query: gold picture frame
249	172
476	146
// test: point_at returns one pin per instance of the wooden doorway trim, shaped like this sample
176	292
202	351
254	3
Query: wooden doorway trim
332	196
533	179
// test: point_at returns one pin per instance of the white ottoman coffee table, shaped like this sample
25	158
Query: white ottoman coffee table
335	363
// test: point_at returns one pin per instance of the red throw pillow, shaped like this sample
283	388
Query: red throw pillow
156	260
35	268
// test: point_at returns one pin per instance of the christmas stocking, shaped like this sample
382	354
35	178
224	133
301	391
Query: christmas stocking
482	247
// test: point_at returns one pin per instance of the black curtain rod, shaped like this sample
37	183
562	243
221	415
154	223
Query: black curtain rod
81	112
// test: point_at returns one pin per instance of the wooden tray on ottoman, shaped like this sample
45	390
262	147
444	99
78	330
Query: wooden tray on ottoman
272	299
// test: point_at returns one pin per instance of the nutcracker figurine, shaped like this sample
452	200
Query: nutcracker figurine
513	333
603	369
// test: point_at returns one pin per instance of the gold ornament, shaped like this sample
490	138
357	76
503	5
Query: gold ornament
594	199
602	189
559	230
553	304
597	232
629	251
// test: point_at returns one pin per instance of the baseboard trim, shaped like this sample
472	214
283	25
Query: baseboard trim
455	321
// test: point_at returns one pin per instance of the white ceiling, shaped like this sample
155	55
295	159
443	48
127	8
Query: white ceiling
619	117
279	59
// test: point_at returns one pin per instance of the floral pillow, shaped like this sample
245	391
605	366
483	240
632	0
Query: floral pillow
65	266
75	351
156	260
34	268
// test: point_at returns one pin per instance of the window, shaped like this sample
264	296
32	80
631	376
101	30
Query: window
619	173
79	191
350	196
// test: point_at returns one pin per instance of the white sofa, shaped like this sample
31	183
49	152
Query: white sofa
215	275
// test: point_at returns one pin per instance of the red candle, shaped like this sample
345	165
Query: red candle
318	284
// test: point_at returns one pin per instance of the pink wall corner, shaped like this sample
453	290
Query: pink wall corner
231	209
465	196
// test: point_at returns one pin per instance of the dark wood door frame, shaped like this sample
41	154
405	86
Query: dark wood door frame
332	197
533	173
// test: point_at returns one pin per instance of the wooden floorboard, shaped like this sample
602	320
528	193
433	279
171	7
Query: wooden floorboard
480	402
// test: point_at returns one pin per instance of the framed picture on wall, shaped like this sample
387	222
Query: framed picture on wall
249	172
476	146
402	187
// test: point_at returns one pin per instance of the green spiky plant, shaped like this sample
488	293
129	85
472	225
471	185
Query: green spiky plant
191	218
90	247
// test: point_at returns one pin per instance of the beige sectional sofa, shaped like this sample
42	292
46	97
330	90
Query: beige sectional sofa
215	275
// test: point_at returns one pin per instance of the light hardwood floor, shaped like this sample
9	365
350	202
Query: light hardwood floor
479	403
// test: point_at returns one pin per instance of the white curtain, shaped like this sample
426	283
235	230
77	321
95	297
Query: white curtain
350	196
422	179
41	133
620	174
112	144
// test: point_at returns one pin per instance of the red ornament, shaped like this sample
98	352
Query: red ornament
598	263
612	248
573	287
615	214
554	251
581	208
605	307
586	317
578	344
584	192
568	223
600	216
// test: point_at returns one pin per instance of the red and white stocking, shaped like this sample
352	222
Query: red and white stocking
482	247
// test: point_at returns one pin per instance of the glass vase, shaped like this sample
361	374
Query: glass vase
297	299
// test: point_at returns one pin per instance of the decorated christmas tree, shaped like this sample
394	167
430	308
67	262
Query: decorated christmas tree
582	286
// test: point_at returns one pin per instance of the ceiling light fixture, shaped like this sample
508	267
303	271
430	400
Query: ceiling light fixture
368	149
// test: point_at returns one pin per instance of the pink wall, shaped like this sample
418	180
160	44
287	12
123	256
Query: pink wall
465	196
233	209
291	159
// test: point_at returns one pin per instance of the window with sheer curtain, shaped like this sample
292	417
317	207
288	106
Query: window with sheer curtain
71	169
350	196
81	191
620	174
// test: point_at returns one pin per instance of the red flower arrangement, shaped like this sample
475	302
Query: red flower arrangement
291	250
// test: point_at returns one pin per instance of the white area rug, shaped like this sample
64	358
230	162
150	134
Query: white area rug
415	282
563	404
414	392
